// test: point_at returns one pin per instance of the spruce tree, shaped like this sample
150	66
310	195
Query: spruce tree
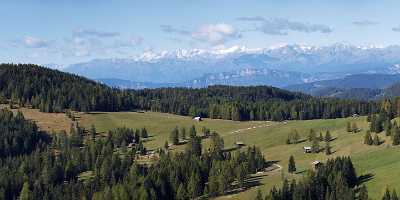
291	165
328	136
315	146
192	132
394	195
311	135
368	138
183	133
363	193
259	195
386	195
181	193
296	137
25	192
396	138
376	141
327	148
174	136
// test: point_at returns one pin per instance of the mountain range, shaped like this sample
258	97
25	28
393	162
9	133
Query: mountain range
320	71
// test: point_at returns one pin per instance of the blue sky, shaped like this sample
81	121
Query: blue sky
70	31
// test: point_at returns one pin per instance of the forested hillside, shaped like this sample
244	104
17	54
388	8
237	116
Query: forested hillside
55	91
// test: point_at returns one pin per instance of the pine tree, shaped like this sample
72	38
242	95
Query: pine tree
394	195
315	146
181	193
259	195
183	133
328	136
396	138
368	138
192	132
25	192
93	132
241	173
174	136
376	141
363	193
194	189
311	135
291	165
386	195
327	148
321	138
144	133
296	137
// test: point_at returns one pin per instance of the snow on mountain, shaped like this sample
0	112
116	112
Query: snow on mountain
185	65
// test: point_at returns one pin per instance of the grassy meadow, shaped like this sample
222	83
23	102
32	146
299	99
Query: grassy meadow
378	162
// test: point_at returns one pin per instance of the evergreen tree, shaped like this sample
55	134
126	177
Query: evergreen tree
25	192
181	193
192	132
183	133
296	137
291	165
328	136
315	146
194	189
386	195
376	140
259	195
396	138
327	148
241	173
394	195
145	134
93	132
311	135
363	193
368	138
174	136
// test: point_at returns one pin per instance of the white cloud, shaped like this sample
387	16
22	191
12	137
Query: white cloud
216	33
33	42
282	26
94	33
396	29
365	23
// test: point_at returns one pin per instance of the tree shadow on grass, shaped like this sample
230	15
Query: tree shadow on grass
365	178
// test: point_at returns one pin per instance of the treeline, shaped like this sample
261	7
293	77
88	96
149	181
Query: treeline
334	180
55	91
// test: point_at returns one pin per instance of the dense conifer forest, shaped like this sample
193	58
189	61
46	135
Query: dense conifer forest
54	91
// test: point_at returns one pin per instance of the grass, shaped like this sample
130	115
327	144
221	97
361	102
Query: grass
46	121
380	162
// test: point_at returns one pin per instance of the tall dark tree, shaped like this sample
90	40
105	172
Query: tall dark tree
291	165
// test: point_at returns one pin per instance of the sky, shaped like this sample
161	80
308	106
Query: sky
63	32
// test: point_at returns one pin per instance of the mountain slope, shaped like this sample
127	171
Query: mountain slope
371	81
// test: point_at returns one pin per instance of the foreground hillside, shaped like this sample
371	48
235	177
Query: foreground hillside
377	163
